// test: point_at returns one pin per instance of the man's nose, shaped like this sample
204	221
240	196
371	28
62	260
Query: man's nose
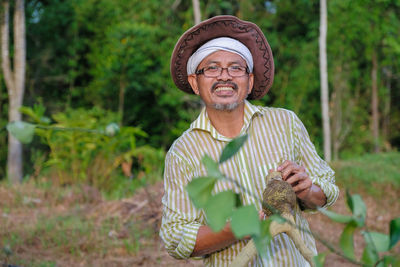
224	75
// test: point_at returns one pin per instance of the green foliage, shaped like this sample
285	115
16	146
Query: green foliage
319	260
199	190
375	242
347	240
394	232
358	208
370	173
263	239
103	53
245	221
221	207
87	147
232	148
21	130
211	166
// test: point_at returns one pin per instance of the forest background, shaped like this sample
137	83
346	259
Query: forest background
103	66
110	59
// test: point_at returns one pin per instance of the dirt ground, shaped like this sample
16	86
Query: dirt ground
379	214
145	210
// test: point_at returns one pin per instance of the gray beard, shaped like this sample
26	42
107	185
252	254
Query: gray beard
225	107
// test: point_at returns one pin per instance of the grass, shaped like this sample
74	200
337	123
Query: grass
371	173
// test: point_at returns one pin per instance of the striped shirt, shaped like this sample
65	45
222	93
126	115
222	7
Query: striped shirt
274	135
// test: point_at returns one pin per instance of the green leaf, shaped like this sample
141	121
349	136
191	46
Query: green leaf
277	218
112	129
199	190
211	167
336	217
238	200
319	260
218	209
391	261
358	208
378	241
370	254
394	232
245	221
21	130
263	239
346	240
232	147
29	112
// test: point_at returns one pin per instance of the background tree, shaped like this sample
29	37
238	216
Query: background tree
14	79
114	54
196	11
324	80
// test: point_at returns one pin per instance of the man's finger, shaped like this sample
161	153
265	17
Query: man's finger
296	178
283	165
289	170
303	185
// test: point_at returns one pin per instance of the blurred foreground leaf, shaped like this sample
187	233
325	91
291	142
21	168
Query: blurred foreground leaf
21	130
346	240
262	241
336	217
319	260
358	208
232	147
211	167
375	243
219	208
377	240
199	190
394	232
245	221
112	129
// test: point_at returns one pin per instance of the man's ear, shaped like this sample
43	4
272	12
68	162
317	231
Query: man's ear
192	79
251	82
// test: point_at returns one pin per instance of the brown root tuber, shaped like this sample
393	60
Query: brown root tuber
280	195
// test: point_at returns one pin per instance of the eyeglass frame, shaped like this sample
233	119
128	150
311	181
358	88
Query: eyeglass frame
201	71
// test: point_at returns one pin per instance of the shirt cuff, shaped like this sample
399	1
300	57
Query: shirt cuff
330	190
186	245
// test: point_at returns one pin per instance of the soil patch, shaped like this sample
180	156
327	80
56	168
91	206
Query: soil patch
130	227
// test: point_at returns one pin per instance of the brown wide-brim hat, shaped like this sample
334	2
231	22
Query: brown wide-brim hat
225	26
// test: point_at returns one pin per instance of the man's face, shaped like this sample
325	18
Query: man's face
223	92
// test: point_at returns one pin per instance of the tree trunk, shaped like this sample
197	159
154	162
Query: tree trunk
121	99
15	81
374	102
386	110
196	11
324	80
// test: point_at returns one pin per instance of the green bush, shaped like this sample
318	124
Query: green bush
86	146
370	173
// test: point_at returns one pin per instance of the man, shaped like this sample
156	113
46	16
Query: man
225	61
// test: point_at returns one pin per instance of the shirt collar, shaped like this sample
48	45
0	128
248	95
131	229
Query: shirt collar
203	122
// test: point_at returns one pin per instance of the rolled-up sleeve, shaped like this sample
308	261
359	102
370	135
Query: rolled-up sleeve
181	220
319	171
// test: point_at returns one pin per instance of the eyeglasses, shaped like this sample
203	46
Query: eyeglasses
215	71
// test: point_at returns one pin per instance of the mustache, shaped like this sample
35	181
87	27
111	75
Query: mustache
234	85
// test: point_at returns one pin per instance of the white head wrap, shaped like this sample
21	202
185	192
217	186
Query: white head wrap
214	45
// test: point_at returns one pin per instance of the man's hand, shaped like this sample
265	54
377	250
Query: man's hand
297	177
305	190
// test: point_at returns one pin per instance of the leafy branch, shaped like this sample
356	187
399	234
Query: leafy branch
224	206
